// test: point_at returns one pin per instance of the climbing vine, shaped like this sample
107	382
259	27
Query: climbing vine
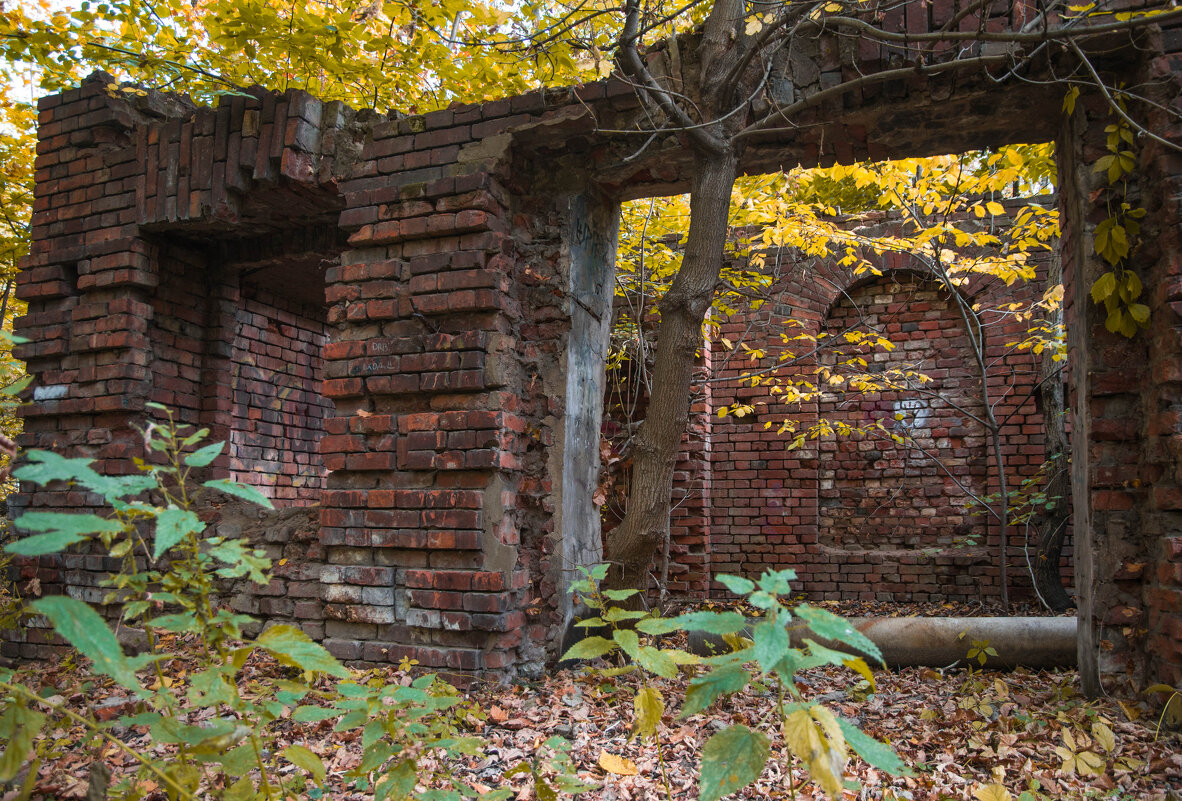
1118	235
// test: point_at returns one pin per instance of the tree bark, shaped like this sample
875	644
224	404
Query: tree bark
1052	523
632	544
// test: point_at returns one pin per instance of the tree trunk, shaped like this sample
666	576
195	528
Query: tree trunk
633	543
1052	523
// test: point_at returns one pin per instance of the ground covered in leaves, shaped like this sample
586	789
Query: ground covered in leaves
964	733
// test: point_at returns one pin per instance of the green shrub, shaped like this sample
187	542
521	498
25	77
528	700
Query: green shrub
167	585
737	755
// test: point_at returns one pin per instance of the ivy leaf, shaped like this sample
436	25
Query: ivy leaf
1105	285
293	647
731	760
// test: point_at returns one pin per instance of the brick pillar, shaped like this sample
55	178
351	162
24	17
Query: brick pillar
1162	167
424	453
87	282
1127	397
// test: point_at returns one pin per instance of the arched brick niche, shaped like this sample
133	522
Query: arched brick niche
877	494
857	515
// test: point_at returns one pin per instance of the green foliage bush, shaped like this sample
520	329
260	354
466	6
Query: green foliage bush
737	755
167	585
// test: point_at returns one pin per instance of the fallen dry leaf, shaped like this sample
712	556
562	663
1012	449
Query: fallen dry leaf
621	766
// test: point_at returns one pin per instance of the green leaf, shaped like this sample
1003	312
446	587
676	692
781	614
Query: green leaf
205	456
19	727
243	491
771	643
880	755
705	689
628	641
657	662
648	707
658	625
589	648
239	761
619	595
292	647
44	467
178	622
40	544
61	530
18	386
615	615
777	582
303	758
736	584
313	714
172	526
713	622
84	629
731	760
832	627
398	783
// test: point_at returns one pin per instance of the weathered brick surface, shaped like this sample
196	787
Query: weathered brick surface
859	516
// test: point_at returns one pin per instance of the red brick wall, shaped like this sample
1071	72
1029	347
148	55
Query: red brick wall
858	516
278	411
874	493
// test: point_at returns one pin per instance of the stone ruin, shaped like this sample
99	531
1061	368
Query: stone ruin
403	321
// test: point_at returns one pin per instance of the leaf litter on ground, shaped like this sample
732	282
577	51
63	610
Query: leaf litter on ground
967	735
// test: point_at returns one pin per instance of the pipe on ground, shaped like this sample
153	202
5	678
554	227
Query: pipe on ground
1033	642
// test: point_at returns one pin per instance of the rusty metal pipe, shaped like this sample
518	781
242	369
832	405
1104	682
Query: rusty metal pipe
1035	642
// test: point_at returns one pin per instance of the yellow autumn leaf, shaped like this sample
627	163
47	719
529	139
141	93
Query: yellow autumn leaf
648	707
620	766
992	792
1104	736
995	208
